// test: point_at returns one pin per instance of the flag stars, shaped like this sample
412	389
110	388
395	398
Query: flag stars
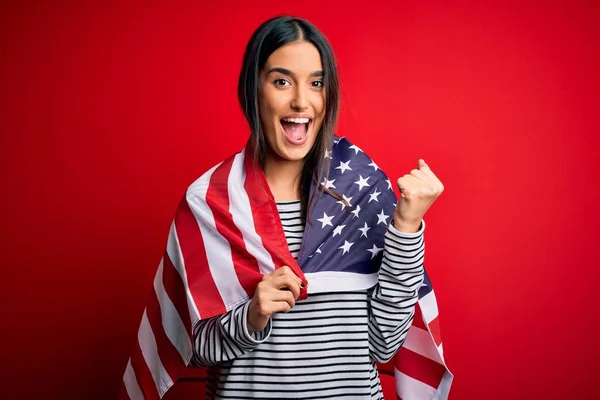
316	251
374	196
364	230
319	249
346	247
347	199
326	220
328	183
344	166
356	211
355	148
362	182
374	251
389	183
375	167
328	154
382	218
338	230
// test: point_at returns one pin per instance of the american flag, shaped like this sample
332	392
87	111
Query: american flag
227	234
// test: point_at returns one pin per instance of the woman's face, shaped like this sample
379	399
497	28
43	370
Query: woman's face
292	99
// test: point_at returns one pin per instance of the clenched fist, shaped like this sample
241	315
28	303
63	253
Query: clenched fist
276	292
419	190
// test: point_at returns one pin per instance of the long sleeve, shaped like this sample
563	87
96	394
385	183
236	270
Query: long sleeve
392	303
225	337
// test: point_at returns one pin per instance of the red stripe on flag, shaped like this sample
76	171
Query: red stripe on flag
217	198
169	356
434	328
387	367
122	394
142	373
419	367
176	291
266	217
204	290
418	319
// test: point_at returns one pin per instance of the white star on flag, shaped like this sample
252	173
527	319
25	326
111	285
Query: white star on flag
382	218
328	154
356	210
338	230
346	247
375	167
374	251
362	182
316	251
374	196
326	220
389	183
355	148
344	166
347	200
328	183
364	230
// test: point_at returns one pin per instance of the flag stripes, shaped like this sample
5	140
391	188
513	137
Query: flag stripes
227	234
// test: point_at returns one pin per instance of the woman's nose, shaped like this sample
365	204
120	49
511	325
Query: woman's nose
299	102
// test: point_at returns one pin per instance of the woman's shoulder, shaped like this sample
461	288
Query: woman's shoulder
347	156
218	175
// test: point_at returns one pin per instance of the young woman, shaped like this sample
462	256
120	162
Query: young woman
324	346
305	269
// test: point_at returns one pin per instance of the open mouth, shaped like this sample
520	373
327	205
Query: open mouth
296	129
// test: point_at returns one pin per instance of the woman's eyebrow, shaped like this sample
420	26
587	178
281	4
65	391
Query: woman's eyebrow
287	72
281	71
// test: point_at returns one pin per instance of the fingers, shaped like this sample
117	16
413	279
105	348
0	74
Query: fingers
278	294
283	300
421	175
422	182
426	171
278	291
286	282
408	182
283	271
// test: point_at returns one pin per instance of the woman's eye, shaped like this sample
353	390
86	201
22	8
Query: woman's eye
318	84
281	82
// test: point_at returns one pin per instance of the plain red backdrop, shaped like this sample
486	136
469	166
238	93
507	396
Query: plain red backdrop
109	112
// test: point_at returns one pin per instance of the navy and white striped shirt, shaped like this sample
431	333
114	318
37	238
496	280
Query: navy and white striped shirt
327	345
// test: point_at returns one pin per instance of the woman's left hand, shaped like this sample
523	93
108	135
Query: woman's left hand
419	190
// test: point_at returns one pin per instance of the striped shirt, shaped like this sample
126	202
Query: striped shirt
327	345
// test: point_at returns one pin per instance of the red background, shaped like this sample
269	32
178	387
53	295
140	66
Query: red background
109	112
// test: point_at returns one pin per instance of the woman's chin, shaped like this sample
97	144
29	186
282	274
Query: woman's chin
294	155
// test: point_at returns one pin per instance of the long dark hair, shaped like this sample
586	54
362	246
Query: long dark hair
271	35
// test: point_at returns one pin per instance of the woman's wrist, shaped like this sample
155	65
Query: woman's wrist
406	227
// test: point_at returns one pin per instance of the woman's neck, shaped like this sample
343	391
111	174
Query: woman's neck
283	177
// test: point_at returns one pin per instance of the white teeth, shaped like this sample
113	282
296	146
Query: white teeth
297	120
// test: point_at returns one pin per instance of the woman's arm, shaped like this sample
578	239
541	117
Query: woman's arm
392	303
242	329
225	337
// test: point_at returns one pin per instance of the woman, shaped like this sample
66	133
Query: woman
307	317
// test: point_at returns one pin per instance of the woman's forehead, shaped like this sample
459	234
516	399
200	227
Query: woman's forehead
301	58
